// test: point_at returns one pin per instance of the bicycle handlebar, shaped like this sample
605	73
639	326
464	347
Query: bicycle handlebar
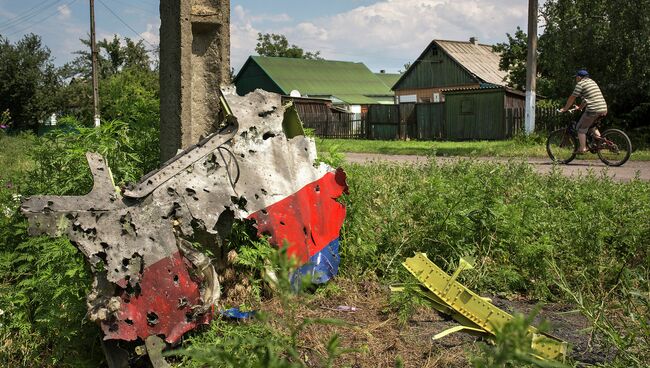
573	109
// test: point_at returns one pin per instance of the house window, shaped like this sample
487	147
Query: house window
467	106
408	98
436	97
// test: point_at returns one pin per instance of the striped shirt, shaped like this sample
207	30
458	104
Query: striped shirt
589	91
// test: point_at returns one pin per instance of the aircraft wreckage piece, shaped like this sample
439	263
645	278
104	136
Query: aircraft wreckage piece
148	279
475	313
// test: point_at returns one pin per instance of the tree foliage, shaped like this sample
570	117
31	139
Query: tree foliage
28	81
129	89
513	58
271	44
113	56
609	38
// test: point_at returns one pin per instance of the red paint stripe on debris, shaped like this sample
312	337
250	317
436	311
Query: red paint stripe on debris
160	304
309	219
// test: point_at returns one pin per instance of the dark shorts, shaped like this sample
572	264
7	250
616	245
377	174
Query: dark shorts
587	120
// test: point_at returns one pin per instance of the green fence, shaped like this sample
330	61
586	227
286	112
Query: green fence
464	119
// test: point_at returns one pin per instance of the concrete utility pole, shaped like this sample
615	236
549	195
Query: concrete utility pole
93	53
194	63
531	67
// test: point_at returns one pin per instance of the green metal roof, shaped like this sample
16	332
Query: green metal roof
389	79
348	81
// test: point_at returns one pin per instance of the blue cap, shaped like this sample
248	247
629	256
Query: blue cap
582	73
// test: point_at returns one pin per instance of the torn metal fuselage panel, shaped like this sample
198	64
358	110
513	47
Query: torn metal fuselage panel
149	280
473	311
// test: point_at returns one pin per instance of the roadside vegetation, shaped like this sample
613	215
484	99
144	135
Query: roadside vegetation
533	146
542	238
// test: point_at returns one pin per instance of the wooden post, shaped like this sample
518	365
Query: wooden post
93	53
531	67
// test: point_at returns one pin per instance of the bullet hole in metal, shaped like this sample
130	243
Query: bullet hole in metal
264	114
176	282
152	318
133	290
240	202
172	211
211	164
103	256
128	321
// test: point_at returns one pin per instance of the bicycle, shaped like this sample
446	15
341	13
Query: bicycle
613	146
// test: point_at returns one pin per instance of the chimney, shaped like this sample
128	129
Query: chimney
473	40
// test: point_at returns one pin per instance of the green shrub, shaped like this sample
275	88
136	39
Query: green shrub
504	215
43	281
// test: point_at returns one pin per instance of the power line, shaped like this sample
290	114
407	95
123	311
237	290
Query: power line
126	24
130	5
30	13
42	19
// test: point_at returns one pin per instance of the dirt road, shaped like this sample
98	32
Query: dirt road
627	172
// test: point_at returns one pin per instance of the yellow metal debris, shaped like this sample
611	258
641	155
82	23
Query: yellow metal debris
475	313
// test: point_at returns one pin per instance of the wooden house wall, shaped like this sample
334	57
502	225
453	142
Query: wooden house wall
475	115
435	70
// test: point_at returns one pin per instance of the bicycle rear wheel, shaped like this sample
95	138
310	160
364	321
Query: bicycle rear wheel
614	147
561	146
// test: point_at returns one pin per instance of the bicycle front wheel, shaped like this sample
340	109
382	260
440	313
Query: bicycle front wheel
614	147
561	146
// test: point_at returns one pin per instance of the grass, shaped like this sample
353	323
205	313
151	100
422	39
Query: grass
518	147
514	222
13	155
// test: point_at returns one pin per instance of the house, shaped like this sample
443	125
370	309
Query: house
349	85
466	87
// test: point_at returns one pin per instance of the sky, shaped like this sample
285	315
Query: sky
383	34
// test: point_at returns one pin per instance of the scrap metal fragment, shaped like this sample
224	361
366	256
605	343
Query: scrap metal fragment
149	279
476	313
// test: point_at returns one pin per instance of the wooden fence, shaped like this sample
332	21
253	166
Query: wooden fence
415	121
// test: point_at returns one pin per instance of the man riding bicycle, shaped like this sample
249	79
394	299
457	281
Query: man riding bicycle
592	98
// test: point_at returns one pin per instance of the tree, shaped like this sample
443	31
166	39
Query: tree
29	81
119	61
609	38
513	58
406	67
271	44
113	56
